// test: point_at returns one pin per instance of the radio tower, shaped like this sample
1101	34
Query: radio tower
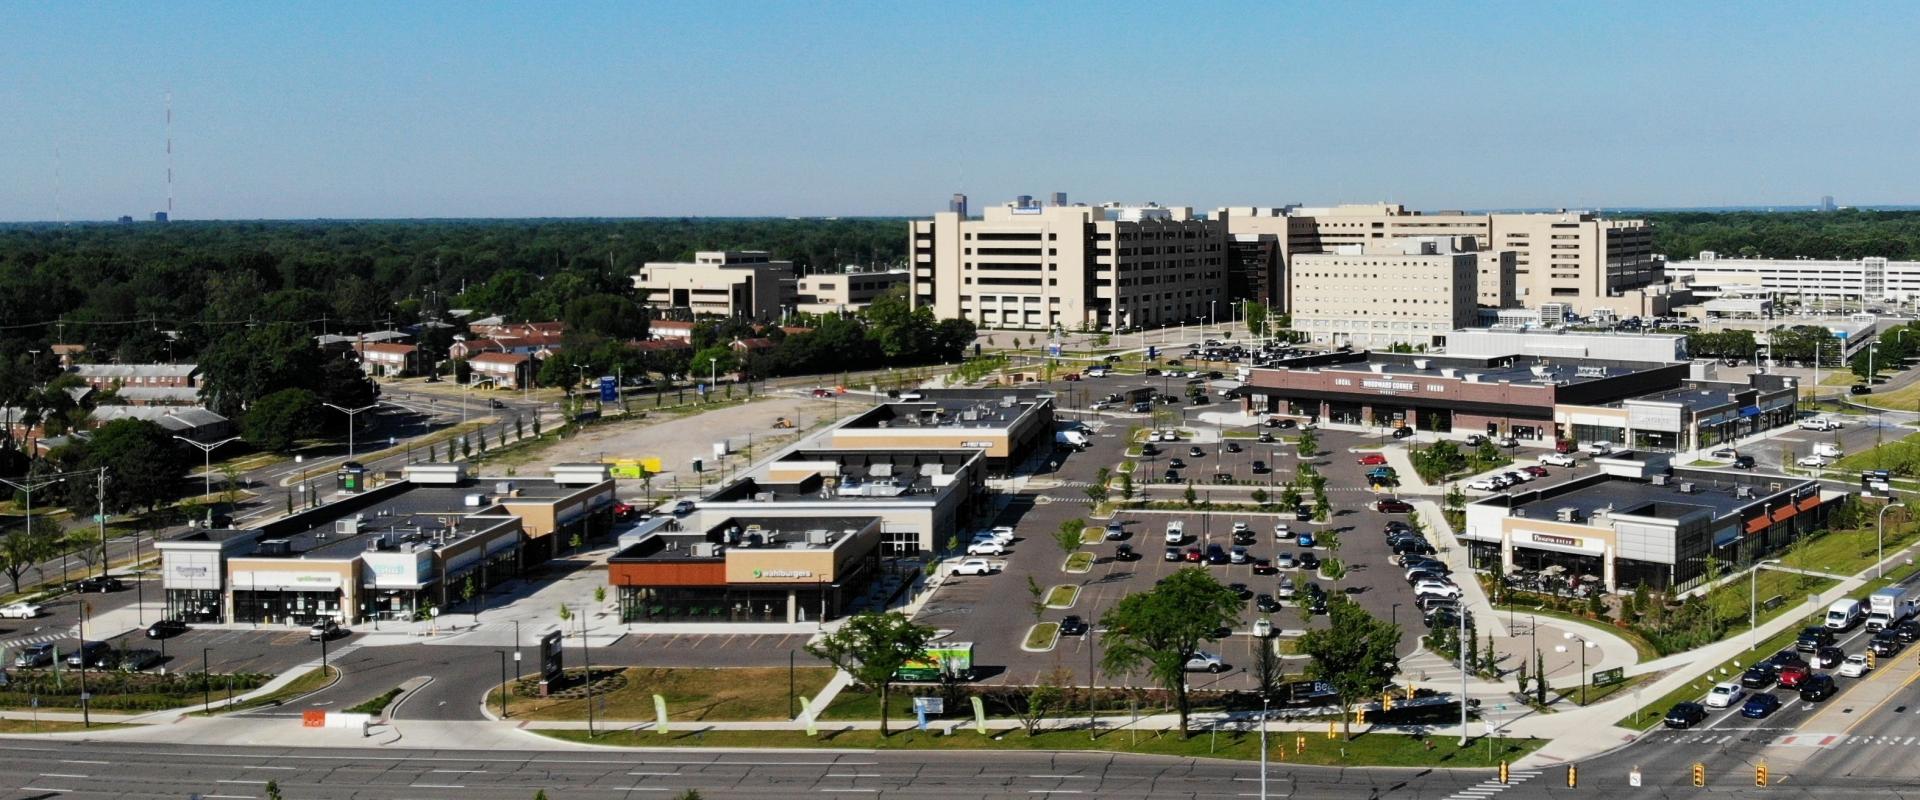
169	154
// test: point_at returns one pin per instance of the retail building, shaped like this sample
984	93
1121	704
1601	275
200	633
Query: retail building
922	497
748	569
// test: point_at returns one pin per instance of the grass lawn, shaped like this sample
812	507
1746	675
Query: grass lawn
1848	552
1367	749
1595	694
1901	399
1092	534
852	703
1841	378
1706	462
314	680
373	705
693	694
1062	596
1899	455
1042	636
1651	713
1079	562
48	726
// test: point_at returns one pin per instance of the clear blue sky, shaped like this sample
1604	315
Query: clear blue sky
426	109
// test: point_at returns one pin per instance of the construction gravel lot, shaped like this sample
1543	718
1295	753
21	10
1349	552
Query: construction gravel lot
676	438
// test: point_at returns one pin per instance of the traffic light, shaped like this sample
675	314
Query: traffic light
1330	733
1573	776
1870	659
1699	774
1299	744
1386	701
1503	772
1760	775
1360	717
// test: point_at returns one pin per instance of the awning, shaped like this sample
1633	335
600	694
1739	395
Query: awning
1784	513
1749	411
1758	524
1810	503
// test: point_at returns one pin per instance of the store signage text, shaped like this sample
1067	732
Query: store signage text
1563	541
783	573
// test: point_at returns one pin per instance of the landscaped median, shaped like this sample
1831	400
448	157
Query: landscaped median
1062	596
1237	743
1041	637
693	694
1079	562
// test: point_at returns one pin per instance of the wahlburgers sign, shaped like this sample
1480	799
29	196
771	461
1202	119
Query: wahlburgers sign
783	573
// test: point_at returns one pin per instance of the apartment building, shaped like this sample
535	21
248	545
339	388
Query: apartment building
1807	280
844	292
1025	266
724	283
109	376
1410	292
1577	258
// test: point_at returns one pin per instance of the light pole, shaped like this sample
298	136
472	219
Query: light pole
351	414
503	682
1263	745
713	373
1753	603
206	471
26	486
1880	541
206	682
1584	646
1464	647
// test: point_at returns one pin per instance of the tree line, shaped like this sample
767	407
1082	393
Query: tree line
1847	234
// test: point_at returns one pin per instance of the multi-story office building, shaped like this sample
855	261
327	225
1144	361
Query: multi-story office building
1410	291
1576	258
1254	270
1025	266
746	283
840	292
1809	281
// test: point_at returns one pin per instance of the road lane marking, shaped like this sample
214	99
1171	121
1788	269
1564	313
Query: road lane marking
62	775
224	780
82	761
44	789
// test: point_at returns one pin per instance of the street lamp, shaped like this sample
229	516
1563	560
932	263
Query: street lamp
713	373
1880	541
351	414
503	682
27	486
206	682
1753	603
1584	647
1263	743
206	471
472	381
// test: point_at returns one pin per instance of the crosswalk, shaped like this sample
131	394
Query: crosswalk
1493	786
1844	740
41	637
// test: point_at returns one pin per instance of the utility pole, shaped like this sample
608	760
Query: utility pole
101	490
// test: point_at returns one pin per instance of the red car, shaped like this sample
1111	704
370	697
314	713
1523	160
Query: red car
1372	460
1393	507
1535	470
623	512
1192	555
1264	567
1792	676
1072	376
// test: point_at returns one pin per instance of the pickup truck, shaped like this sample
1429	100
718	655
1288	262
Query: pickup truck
1559	459
1819	424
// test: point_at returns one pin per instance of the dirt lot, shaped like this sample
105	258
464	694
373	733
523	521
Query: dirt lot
676	439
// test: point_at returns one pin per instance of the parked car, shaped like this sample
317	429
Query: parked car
328	629
1238	556
1192	555
1125	553
1760	706
1287	590
986	548
1855	666
1685	715
139	660
1811	461
1309	561
682	508
1559	459
1743	462
1393	507
1196	452
1285	561
1304	539
1535	470
1203	661
1725	695
1818	687
20	611
1484	485
1240	590
1116	532
35	655
95	655
1072	625
1440	588
1173	554
1264	567
99	583
1372	460
1216	555
165	628
1266	604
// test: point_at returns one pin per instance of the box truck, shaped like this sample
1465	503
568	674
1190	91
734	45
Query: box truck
1889	607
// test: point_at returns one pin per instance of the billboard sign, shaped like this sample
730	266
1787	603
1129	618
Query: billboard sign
609	389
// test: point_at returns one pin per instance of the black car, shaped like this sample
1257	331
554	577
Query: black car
165	628
1402	432
1817	687
1907	631
1125	553
99	583
1394	526
1884	644
1860	388
1743	462
1195	452
1433	602
1241	591
1287	424
1073	625
1244	538
1176	463
1259	467
1475	440
1685	715
1266	438
1216	555
1758	676
1149	450
1418	546
1786	658
1443	617
1419	575
1223	477
1302	513
1309	561
1266	603
97	655
1170	477
1233	447
1812	639
1829	657
1317	604
1393	507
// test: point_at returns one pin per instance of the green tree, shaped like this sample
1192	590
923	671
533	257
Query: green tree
1036	598
1354	655
1067	536
1290	497
872	647
1190	495
1269	671
280	420
1309	444
1126	486
145	465
20	551
1161	628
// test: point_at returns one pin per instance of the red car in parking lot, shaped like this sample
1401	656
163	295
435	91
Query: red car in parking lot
1393	507
1372	460
1535	470
1192	555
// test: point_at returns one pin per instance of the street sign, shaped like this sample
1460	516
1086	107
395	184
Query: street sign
609	389
1053	349
1608	677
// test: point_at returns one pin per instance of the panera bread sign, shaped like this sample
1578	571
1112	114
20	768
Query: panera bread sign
1563	541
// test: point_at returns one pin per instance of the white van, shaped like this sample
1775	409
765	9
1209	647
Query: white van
1074	439
1819	424
1844	614
1176	532
1827	450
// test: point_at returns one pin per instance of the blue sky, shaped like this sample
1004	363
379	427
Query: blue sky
633	109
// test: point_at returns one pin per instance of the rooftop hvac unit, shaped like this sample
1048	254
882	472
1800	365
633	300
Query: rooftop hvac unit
707	550
1422	363
276	547
1659	480
503	488
1449	372
1540	370
819	536
1686	487
476	500
767	497
1378	369
1743	492
1567	515
348	526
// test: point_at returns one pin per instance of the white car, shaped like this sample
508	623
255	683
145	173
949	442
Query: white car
1855	666
1437	588
1483	485
1598	448
1097	372
20	611
1725	695
993	536
1282	533
1203	661
682	508
1559	459
1811	461
1176	532
1240	527
973	566
987	548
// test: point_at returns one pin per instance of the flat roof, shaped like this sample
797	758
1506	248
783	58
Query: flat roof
749	532
1712	491
1696	397
864	475
946	412
1513	369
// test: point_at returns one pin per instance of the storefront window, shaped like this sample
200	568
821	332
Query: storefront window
194	605
286	606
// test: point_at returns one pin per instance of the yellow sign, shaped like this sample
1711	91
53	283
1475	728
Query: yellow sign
631	468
